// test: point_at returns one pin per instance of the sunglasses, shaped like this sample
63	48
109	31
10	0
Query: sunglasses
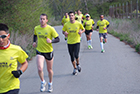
3	36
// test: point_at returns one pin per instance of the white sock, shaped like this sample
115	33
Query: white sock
88	42
50	83
101	44
43	81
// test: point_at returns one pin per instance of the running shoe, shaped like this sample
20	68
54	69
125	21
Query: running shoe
50	88
75	72
79	68
65	38
42	88
89	47
102	51
80	38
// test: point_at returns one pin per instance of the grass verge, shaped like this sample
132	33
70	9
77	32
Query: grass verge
126	38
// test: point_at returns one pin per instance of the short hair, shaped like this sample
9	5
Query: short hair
4	27
101	15
43	14
71	12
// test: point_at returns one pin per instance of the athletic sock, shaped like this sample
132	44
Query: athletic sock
50	83
43	81
101	44
90	42
77	64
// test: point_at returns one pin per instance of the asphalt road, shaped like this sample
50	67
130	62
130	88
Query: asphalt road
117	71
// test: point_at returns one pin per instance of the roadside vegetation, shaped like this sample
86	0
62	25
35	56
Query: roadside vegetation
127	31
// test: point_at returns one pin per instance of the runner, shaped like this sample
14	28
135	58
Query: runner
79	18
44	33
65	20
72	30
102	26
88	24
9	55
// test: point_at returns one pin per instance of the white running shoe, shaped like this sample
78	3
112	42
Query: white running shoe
42	88
50	88
75	72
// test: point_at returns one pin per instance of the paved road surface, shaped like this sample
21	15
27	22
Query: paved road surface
117	71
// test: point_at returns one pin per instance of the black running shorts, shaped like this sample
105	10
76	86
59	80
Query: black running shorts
47	56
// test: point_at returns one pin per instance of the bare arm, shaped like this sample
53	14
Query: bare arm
24	66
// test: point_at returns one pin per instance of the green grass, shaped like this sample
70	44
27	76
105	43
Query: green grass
126	38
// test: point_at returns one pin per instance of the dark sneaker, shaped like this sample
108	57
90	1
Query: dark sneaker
75	72
102	51
79	68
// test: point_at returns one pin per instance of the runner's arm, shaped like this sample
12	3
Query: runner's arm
83	30
34	38
21	70
55	40
107	26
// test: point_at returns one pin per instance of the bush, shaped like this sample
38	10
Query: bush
137	48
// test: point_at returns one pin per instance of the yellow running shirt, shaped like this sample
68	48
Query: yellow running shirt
8	63
64	20
89	24
42	35
73	29
79	17
102	24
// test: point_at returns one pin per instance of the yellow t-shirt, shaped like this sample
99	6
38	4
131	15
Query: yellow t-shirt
8	63
102	24
64	20
73	29
89	24
42	35
79	17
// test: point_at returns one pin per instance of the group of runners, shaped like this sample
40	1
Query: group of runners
44	35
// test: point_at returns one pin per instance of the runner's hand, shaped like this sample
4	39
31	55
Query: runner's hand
105	28
66	34
49	40
80	32
17	73
34	44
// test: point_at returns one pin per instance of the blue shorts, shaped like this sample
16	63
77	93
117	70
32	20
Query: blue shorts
104	35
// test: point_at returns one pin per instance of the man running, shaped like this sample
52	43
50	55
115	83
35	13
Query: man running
72	30
102	26
79	17
65	20
88	24
44	33
10	55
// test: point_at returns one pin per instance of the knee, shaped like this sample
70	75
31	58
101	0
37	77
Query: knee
76	56
40	69
49	70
